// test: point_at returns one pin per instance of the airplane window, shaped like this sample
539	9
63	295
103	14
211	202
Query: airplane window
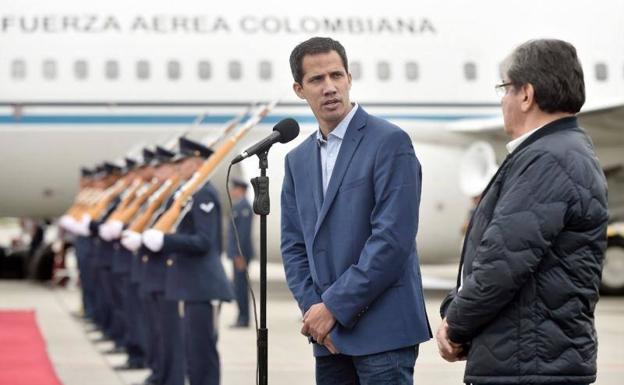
142	69
204	70
265	70
601	72
49	69
355	68
173	70
111	69
80	69
470	71
18	69
235	70
383	70
411	70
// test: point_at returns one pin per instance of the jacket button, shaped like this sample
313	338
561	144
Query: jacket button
145	259
169	262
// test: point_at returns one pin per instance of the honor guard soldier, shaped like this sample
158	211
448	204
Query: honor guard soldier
163	328
243	218
141	327
102	265
195	275
82	245
126	306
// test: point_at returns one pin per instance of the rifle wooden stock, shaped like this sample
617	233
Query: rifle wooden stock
140	223
111	193
127	197
130	211
169	218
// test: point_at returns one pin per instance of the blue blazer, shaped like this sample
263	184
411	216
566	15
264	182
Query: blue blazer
194	271
355	249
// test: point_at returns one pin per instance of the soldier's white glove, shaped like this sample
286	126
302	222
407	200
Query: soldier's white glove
115	228
69	223
83	225
66	222
153	239
104	232
131	240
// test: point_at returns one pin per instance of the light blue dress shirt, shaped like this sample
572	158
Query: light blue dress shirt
330	147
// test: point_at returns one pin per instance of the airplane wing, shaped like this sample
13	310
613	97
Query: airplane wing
604	123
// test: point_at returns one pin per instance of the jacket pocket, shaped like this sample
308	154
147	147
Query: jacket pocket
353	184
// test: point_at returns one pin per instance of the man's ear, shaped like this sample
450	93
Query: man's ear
298	88
528	101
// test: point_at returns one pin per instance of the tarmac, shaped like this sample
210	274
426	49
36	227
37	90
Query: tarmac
79	360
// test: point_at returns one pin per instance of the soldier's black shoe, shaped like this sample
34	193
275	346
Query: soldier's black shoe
239	325
101	339
130	366
115	350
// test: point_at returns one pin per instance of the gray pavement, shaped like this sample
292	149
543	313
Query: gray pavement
79	360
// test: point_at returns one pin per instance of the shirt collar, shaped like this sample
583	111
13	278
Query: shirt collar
511	146
341	129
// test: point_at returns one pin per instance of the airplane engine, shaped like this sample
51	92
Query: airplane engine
477	167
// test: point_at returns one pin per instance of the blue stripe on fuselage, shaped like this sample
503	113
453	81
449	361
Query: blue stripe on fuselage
93	119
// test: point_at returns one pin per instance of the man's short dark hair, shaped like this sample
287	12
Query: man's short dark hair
313	46
553	69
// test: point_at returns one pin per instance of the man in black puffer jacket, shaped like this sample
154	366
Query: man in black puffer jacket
523	311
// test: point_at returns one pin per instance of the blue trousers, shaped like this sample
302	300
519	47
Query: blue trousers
104	301
241	290
395	367
200	343
134	321
170	346
118	285
83	248
152	339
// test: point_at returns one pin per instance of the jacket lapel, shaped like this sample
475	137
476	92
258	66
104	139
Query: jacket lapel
352	139
315	175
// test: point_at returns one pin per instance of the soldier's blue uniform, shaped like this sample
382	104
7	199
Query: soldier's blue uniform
82	245
195	278
164	331
243	217
102	254
125	311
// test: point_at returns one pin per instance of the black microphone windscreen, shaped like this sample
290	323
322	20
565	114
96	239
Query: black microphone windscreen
288	129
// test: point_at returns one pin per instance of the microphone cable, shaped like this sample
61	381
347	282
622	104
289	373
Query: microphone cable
240	252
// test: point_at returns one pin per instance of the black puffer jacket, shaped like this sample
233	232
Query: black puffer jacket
532	263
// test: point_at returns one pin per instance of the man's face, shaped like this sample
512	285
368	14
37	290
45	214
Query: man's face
164	171
511	105
325	86
237	192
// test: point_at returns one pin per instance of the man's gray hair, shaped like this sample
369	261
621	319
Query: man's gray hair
553	69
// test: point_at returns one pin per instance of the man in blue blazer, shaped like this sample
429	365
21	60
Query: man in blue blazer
350	201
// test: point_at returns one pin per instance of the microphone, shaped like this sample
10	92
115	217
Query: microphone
283	132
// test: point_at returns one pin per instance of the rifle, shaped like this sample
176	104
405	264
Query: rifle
157	199
170	217
127	197
108	196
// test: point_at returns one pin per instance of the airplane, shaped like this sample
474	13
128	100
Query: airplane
83	82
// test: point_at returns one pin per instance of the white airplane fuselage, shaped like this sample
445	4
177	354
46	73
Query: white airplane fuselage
81	83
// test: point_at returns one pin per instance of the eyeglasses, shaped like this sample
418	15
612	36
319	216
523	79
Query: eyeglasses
501	89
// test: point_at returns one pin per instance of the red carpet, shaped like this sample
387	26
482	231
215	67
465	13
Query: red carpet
23	356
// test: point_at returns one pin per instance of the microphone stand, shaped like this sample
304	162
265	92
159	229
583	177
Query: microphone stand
262	207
